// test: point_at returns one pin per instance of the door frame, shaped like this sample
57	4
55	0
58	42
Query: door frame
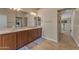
59	23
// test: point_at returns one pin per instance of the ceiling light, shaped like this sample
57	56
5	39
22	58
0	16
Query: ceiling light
17	9
33	13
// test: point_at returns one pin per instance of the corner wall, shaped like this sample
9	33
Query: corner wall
76	27
49	23
10	16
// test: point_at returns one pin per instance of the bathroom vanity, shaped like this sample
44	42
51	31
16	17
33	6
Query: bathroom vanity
12	39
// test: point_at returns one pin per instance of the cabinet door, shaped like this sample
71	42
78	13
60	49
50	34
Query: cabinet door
22	38
32	35
29	35
1	42
18	39
9	41
35	33
39	32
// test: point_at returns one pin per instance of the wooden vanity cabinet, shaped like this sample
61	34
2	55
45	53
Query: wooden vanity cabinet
34	34
39	32
1	47
29	35
9	41
22	38
16	40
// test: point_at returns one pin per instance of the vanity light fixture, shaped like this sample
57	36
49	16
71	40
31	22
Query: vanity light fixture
17	9
33	13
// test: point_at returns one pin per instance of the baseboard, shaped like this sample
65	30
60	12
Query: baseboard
50	39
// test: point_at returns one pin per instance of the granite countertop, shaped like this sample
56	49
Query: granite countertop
11	30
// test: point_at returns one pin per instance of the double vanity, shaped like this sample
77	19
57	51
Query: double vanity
15	38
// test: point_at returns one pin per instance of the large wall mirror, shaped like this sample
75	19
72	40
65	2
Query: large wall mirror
21	19
18	21
37	20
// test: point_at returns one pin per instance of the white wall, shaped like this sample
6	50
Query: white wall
49	23
10	16
3	21
76	27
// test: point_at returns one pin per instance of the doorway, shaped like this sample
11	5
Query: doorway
65	22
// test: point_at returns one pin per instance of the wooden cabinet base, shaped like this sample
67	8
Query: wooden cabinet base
9	41
22	38
13	41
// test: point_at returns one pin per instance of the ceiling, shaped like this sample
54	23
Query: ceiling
30	9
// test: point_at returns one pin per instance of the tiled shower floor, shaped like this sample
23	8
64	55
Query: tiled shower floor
32	44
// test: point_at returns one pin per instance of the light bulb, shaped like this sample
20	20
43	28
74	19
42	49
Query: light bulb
33	13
